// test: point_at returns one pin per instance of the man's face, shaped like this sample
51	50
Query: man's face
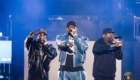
71	27
41	36
108	37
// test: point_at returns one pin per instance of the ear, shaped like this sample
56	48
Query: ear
76	28
37	37
103	35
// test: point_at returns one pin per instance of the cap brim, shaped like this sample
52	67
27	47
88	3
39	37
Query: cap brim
42	31
71	24
113	32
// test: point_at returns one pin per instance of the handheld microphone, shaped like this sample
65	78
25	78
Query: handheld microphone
74	30
42	41
116	37
71	30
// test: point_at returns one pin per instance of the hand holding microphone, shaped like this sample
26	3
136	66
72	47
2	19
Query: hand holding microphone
73	32
118	43
116	38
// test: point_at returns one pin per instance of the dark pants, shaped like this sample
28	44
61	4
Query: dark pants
38	78
104	78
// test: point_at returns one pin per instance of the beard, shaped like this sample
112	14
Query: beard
41	40
109	40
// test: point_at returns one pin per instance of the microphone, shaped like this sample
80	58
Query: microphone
71	30
74	30
42	41
116	37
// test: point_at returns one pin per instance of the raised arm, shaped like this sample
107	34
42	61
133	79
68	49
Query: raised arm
29	40
82	43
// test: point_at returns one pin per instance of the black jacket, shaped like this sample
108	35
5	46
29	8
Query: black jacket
105	59
34	59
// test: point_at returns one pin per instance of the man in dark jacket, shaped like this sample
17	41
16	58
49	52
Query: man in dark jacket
40	55
105	54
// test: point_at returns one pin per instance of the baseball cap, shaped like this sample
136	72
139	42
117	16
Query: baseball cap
108	30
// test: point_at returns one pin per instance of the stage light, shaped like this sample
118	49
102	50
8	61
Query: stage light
10	15
119	5
134	16
59	18
0	33
1	76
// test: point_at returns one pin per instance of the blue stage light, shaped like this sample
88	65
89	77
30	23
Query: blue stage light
0	33
1	76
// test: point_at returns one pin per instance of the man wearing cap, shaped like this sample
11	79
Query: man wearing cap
40	55
72	53
105	54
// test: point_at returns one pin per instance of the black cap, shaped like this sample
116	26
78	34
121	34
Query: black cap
71	23
108	30
41	30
